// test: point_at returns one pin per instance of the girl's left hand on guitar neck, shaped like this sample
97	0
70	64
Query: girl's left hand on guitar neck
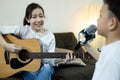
69	57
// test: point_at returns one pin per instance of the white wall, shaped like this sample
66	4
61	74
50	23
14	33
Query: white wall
59	13
62	15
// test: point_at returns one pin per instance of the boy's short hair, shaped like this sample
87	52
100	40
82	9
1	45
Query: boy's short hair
114	7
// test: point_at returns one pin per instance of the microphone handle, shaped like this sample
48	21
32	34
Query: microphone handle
77	46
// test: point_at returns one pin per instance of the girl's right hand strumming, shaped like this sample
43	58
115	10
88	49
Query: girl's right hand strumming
12	47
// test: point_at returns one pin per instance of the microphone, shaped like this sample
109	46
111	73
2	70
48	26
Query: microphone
86	35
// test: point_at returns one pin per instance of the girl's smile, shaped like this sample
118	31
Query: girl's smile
37	19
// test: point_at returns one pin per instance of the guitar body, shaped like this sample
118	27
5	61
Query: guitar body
11	63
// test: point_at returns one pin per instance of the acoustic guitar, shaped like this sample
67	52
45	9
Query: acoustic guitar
27	59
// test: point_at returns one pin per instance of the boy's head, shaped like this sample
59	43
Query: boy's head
109	19
114	7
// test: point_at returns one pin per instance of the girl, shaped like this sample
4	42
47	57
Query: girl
33	28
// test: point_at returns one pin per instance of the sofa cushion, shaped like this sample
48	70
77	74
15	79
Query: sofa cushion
65	40
59	40
75	62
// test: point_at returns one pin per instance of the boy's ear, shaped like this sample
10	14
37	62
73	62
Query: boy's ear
113	24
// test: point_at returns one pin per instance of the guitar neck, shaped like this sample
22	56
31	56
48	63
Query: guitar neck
36	55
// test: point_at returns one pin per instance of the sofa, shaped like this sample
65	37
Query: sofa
66	41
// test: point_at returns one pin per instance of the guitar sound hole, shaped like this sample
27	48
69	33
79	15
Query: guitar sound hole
23	55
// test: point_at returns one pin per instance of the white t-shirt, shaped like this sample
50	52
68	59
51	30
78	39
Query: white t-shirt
108	64
46	39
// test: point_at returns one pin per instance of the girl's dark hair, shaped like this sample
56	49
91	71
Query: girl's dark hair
28	13
114	7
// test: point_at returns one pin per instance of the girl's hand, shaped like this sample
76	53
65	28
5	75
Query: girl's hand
12	47
69	57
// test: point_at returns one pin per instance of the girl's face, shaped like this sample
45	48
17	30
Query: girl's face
37	19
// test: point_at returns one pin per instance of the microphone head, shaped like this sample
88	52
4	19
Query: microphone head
91	29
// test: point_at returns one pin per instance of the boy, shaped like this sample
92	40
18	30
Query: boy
108	64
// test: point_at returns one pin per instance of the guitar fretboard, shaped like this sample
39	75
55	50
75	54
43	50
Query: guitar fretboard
37	55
